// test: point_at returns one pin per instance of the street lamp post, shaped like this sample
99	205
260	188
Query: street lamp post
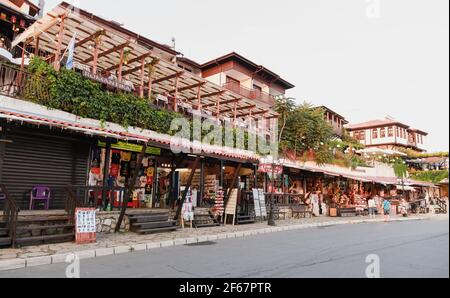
272	195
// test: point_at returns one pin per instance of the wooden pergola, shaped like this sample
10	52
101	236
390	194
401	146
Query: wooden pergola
105	47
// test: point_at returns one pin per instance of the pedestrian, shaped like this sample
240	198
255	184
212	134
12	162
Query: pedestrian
387	209
372	207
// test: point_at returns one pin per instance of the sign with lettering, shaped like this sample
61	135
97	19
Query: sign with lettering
257	203
85	225
108	81
271	168
132	148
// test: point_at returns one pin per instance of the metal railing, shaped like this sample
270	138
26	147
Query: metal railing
13	81
10	214
250	93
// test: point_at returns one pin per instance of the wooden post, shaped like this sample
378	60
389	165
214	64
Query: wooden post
199	97
235	115
141	86
175	97
218	108
22	65
96	51
131	187
188	186
106	175
57	63
122	57
36	49
150	85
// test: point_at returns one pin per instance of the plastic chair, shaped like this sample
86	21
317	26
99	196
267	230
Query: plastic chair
40	193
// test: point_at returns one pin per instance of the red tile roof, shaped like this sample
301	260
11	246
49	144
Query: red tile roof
375	123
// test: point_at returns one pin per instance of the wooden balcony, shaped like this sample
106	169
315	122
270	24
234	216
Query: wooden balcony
252	94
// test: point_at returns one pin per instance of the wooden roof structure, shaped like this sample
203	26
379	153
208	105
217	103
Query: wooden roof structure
150	66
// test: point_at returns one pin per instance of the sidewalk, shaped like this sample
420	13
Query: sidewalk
112	244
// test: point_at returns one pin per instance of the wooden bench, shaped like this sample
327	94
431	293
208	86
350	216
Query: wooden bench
300	211
277	213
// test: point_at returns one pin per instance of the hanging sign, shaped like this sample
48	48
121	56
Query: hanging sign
107	81
271	168
85	225
131	147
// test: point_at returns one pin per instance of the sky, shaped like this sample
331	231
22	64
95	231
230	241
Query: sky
365	59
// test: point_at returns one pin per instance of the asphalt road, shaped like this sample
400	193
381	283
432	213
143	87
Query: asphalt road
405	249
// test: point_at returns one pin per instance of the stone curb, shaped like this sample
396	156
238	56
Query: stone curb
20	263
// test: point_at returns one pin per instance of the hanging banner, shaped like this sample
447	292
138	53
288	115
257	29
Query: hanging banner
85	225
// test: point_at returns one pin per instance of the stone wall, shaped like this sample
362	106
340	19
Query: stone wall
106	222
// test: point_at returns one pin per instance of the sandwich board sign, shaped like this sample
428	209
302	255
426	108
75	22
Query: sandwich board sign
257	202
85	225
231	206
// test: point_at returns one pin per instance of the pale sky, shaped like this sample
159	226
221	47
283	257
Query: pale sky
363	68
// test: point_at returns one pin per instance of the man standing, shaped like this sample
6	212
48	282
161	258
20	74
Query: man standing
372	207
387	210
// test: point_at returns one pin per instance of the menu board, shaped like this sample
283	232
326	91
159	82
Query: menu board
85	225
232	203
260	203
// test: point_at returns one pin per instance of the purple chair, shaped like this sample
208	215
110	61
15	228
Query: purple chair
40	193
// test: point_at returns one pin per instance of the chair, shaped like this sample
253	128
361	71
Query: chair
40	193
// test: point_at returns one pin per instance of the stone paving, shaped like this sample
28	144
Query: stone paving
108	244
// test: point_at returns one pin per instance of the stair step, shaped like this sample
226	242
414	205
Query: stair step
154	225
46	239
149	218
41	219
149	231
4	232
45	227
5	241
247	221
206	225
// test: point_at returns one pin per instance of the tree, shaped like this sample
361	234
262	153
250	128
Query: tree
306	130
284	106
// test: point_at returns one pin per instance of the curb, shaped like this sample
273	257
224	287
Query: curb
20	263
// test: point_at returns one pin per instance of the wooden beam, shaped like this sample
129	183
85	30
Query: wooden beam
209	95
122	57
175	96
141	86
188	186
130	71
223	102
57	63
106	53
98	43
254	114
172	76
238	109
137	59
190	87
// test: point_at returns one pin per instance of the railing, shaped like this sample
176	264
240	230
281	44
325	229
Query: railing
10	214
13	81
442	205
5	43
250	93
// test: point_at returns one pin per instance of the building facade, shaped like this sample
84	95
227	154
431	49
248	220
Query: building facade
336	121
389	134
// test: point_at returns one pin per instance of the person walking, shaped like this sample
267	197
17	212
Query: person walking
387	209
372	207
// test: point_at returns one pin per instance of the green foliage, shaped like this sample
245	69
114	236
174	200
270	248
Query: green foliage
400	169
69	91
414	154
430	176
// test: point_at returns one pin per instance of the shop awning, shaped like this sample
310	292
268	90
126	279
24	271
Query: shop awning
26	112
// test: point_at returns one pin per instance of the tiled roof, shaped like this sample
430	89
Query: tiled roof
375	123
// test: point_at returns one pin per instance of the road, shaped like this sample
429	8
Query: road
406	249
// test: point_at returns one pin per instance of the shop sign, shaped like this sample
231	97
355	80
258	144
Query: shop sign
85	225
107	81
271	168
132	148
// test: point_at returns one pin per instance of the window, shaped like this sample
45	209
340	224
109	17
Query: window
233	81
375	133
398	132
257	88
383	133
360	135
391	132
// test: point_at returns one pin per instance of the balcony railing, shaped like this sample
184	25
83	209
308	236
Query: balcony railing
5	43
250	93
